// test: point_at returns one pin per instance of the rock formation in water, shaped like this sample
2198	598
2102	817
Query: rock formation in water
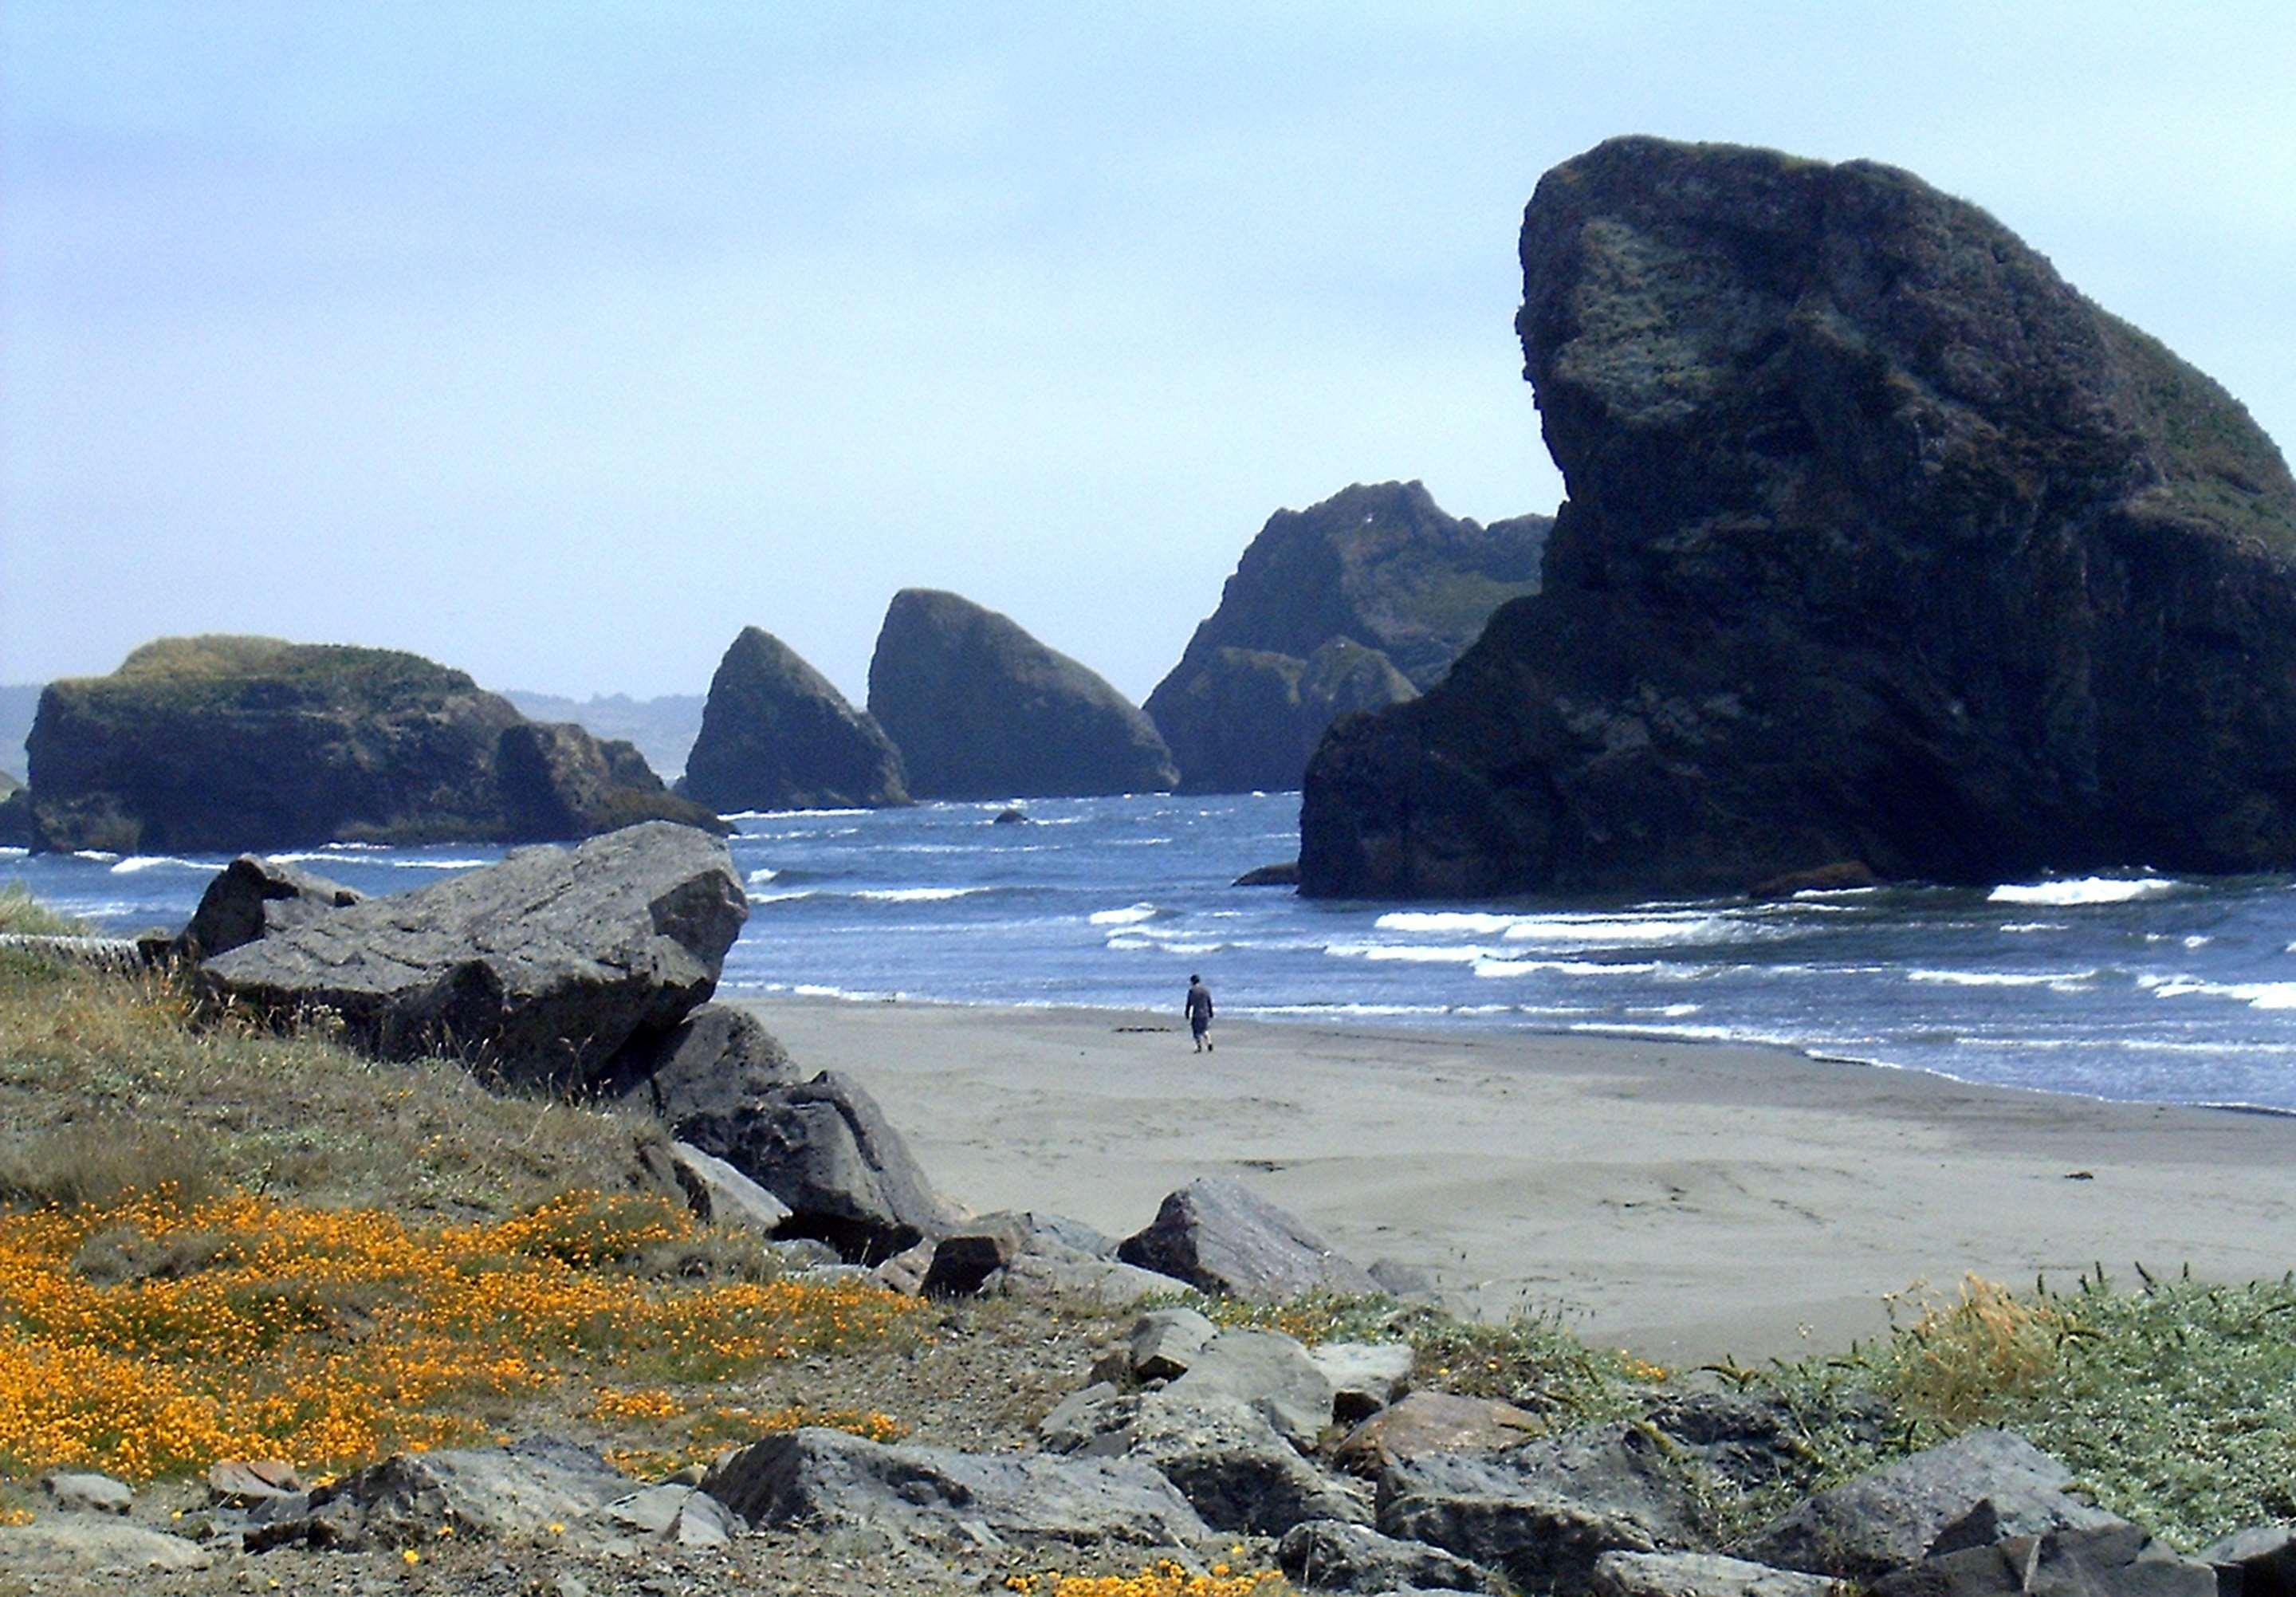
1354	604
15	813
229	743
1883	546
777	735
663	729
980	709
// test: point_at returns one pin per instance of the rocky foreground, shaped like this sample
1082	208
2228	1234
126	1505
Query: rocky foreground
1884	549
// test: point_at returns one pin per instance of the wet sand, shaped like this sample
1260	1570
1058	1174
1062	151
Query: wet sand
1688	1201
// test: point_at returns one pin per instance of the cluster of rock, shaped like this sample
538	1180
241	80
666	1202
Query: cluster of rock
1883	546
230	742
1357	603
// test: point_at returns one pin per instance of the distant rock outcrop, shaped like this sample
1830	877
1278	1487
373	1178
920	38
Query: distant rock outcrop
777	735
1883	545
231	744
663	729
1355	604
15	813
980	709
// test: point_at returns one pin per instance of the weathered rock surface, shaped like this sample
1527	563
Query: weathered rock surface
1233	1466
701	1076
2259	1561
15	813
1883	544
980	709
535	969
1268	1374
1700	1575
1331	1555
1165	1341
252	898
1365	1377
1545	1513
483	1492
776	735
720	1195
825	1149
238	743
1220	1237
2121	1558
828	1477
983	1253
1980	1488
1354	604
83	1544
84	1492
1283	873
1437	1422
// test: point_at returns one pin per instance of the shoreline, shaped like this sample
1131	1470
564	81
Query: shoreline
1687	1200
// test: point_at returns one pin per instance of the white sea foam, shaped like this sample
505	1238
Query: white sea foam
15	853
2255	994
1497	966
1688	1034
134	863
916	894
98	854
763	873
1446	920
2060	981
2085	889
786	897
2024	926
1411	953
1130	916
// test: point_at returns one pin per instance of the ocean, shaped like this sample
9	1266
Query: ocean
2128	986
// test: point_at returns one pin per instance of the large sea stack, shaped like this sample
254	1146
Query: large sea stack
231	744
981	709
1354	604
1883	544
777	735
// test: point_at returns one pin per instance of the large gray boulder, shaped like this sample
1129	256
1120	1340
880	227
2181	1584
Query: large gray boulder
490	1492
701	1076
1233	1466
536	970
253	898
2259	1561
981	709
827	1477
1220	1237
1701	1575
2119	1558
1333	1555
825	1149
776	735
1985	1486
1545	1513
1437	1422
1269	1373
76	1545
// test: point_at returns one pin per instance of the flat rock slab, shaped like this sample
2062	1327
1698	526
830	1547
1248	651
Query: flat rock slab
536	970
1328	1555
720	1195
83	1492
1220	1237
1429	1422
1701	1575
489	1492
2119	1558
826	1477
1985	1486
83	1544
1365	1377
1268	1372
1165	1341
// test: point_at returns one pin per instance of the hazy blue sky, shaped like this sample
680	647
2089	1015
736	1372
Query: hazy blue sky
558	341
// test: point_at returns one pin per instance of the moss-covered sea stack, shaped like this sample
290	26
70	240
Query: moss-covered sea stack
776	735
1353	604
980	709
230	743
1882	544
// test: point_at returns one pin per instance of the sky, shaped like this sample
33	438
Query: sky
559	341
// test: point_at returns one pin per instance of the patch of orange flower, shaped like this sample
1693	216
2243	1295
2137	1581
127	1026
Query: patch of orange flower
1163	1578
250	1327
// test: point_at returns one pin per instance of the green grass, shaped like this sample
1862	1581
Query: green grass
22	914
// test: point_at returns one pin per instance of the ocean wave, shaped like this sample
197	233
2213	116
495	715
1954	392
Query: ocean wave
1675	1032
2255	994
135	863
2085	889
1412	953
788	896
2025	926
914	894
1502	967
2061	982
1130	915
101	856
13	853
763	873
783	815
1575	930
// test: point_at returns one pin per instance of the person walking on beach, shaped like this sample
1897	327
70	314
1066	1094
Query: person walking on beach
1199	1013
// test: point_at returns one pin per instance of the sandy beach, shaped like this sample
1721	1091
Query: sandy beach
1687	1201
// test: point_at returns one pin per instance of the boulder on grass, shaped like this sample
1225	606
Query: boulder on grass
698	1077
2259	1561
1221	1238
1365	1377
536	970
825	1149
253	898
80	1544
827	1477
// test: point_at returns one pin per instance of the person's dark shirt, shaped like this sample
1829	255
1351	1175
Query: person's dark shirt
1199	1002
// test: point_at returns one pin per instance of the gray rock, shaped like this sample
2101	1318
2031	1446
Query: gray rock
776	735
905	1273
720	1195
1220	1237
826	1477
1365	1377
1268	1372
1985	1486
536	970
2259	1561
1078	1421
2119	1558
487	1493
980	709
699	1077
1701	1575
1165	1341
670	1515
1103	1281
1543	1513
1283	873
84	1492
1425	1422
1399	1279
964	1259
252	898
1232	1467
80	1544
825	1149
1331	1555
